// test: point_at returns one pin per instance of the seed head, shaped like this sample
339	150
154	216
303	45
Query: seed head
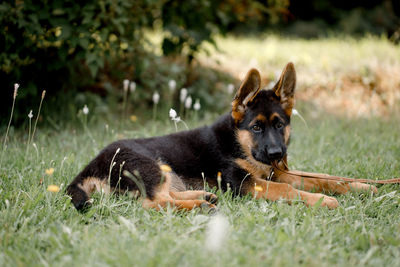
183	95
172	113
16	86
156	97
132	87
188	102
172	85
85	110
197	105
126	85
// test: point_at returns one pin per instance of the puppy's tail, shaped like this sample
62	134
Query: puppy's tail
80	198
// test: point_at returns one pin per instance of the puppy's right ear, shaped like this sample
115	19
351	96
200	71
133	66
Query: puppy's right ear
246	93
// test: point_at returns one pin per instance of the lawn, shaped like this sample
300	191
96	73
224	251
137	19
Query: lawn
39	227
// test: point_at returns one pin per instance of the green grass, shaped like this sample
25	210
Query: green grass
38	227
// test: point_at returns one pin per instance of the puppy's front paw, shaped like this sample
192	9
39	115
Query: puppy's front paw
327	201
361	187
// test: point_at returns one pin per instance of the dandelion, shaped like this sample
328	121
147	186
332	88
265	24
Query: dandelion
85	110
197	105
172	113
30	115
188	102
230	88
165	168
133	118
49	171
172	85
126	85
174	117
156	97
183	95
217	232
53	188
132	87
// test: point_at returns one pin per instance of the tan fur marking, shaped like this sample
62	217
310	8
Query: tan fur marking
189	195
94	184
246	142
286	134
273	116
164	197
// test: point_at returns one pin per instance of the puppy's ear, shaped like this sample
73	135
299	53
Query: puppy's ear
246	93
284	88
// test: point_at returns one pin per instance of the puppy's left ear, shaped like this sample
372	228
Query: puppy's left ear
284	88
246	93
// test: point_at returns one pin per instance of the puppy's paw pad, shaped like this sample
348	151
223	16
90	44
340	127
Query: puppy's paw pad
212	198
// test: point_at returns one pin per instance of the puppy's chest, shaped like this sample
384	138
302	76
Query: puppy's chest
256	169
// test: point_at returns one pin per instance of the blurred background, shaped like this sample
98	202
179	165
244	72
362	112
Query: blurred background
346	54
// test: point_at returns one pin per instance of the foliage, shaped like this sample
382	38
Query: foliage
63	45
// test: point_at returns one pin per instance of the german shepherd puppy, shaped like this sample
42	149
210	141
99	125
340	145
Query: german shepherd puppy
236	151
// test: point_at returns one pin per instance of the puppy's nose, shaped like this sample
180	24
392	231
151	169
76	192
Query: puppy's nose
275	152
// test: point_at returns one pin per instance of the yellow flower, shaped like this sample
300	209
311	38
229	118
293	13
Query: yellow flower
123	46
258	188
53	188
58	31
112	37
165	168
49	171
133	118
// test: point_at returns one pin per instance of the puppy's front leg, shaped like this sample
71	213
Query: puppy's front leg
320	185
274	191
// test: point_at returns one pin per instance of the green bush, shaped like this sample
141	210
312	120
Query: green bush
64	45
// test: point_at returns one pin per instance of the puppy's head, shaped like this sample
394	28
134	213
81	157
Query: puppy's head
262	117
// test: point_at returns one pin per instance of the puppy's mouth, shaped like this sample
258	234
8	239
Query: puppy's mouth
260	157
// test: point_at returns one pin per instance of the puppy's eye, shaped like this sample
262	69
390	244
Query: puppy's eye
256	128
279	125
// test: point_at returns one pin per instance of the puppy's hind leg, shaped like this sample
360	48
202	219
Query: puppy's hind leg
194	194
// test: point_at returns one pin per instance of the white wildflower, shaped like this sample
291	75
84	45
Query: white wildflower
132	87
183	94
67	230
217	232
126	84
230	88
197	105
172	113
16	86
85	110
188	102
30	115
172	85
156	97
295	112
